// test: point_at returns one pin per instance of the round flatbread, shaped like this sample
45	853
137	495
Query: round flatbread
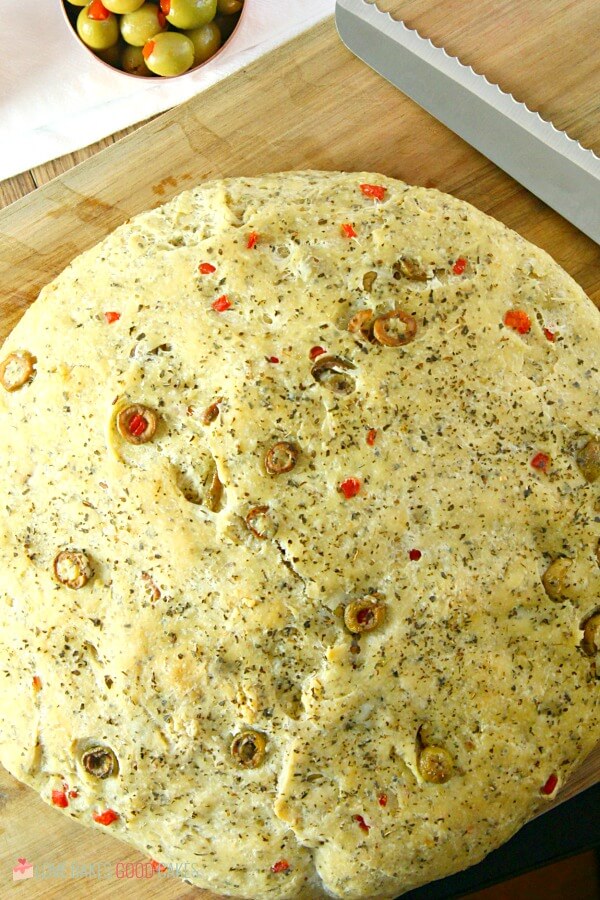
299	573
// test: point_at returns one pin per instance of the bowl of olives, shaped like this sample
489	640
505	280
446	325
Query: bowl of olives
146	38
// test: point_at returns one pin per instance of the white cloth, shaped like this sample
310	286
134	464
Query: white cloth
55	98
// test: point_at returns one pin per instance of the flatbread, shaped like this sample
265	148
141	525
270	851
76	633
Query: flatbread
323	620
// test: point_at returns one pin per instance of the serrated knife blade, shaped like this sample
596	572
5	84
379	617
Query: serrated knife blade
547	161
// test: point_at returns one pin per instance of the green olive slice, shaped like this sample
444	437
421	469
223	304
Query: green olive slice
331	371
100	762
435	764
211	412
365	614
248	749
72	569
16	370
260	522
556	577
360	323
588	460
137	424
282	457
591	635
411	268
385	333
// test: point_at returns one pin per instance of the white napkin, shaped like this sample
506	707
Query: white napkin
55	99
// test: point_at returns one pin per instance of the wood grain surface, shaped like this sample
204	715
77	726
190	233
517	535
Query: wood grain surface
310	104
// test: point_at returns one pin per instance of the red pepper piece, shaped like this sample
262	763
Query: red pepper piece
541	461
550	335
281	866
316	351
518	319
165	5
106	818
222	304
348	230
272	359
459	266
73	794
373	190
37	683
59	798
97	10
362	824
112	317
137	425
162	19
414	555
252	240
157	867
371	435
206	268
550	785
350	487
148	48
382	799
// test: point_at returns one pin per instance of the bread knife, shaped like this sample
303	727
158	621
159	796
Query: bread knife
539	156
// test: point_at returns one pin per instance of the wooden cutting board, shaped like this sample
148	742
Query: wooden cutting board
310	104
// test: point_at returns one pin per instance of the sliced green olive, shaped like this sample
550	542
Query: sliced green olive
16	370
169	54
365	614
214	492
248	749
132	61
72	569
331	371
261	523
137	424
556	577
360	323
138	27
206	41
99	34
368	281
100	762
191	13
411	268
591	635
282	457
435	764
122	6
588	460
211	412
394	329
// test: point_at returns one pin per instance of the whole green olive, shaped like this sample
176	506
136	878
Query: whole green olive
187	14
169	54
139	26
228	7
122	6
132	61
99	34
206	41
226	25
111	56
79	2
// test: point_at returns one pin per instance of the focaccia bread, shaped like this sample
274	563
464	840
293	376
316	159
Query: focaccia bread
299	565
